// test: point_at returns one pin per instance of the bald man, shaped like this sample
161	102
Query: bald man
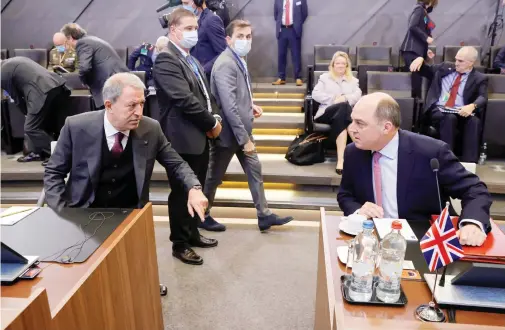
62	54
387	173
457	87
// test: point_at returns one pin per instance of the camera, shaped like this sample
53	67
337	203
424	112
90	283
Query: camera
164	21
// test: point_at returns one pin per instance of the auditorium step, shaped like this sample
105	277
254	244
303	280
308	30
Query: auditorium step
269	88
280	121
277	95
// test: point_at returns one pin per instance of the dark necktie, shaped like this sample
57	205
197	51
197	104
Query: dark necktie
117	148
454	91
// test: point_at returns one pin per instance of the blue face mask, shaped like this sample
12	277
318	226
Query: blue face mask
190	9
60	49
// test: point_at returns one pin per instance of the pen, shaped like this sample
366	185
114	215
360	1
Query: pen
17	212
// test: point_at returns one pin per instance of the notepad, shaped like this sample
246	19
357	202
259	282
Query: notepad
14	214
383	227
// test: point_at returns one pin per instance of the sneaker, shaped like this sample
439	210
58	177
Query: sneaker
279	82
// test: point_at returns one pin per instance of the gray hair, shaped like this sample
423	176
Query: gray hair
469	53
113	87
162	43
388	110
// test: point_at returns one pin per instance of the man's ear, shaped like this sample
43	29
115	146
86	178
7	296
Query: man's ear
108	105
228	40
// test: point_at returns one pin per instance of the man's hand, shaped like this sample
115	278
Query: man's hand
257	111
197	202
429	40
249	147
214	133
471	234
371	210
466	110
340	99
430	54
416	64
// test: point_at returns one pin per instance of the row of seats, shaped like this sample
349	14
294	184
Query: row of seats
398	85
383	55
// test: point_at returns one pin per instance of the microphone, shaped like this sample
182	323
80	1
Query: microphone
170	3
435	166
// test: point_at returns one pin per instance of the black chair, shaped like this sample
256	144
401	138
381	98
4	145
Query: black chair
493	126
496	86
10	143
79	104
324	53
494	52
39	55
450	55
123	55
407	111
4	54
436	60
73	81
152	109
141	75
372	58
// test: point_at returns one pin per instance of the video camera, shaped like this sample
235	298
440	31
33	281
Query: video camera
211	4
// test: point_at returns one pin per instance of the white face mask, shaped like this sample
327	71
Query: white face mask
189	39
242	47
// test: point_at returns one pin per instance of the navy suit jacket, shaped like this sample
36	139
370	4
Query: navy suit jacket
300	13
145	62
499	60
211	40
416	185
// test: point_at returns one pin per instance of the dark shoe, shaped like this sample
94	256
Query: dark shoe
204	242
264	223
188	256
339	171
211	225
31	157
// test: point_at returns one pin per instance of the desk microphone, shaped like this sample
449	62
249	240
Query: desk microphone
435	165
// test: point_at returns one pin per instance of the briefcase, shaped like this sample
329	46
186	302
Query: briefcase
306	149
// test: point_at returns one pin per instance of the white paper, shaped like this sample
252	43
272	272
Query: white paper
342	256
383	227
15	214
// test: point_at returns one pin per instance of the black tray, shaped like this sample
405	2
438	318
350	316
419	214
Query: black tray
402	301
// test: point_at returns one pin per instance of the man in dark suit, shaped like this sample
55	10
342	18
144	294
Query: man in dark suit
289	17
499	61
97	60
186	107
456	86
144	54
387	173
41	95
211	35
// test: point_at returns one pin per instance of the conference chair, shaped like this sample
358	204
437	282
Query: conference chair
42	200
494	52
398	85
38	55
141	75
4	54
80	98
450	55
324	53
372	58
495	112
456	203
318	74
10	143
436	60
123	55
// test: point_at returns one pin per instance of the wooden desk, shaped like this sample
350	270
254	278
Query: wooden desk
332	312
116	288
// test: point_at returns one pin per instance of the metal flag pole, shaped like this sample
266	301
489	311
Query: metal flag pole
430	312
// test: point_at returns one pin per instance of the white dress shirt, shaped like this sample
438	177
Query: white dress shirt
389	175
110	133
290	12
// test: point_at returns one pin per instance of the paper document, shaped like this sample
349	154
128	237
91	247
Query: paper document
15	214
383	227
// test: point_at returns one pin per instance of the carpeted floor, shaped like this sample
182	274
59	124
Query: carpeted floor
250	281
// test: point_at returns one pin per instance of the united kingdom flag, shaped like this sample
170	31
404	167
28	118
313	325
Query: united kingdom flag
440	245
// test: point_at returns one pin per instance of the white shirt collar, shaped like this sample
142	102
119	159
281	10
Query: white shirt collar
390	150
109	129
183	52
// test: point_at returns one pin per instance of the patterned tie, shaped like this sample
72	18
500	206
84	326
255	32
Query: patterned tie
454	92
377	178
286	8
117	148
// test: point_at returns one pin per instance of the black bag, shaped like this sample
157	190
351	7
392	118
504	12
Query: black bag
306	149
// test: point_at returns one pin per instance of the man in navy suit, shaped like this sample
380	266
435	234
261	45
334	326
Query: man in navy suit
289	18
387	173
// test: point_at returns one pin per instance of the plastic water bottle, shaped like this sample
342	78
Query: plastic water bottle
366	248
393	248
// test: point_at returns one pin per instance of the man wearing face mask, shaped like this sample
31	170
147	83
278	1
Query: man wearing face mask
211	35
62	54
231	86
186	116
144	56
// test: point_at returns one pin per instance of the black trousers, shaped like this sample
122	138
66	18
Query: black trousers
469	128
338	116
43	125
183	227
416	78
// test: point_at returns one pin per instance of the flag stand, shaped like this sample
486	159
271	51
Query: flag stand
430	312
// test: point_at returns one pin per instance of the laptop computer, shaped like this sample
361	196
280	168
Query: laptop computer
13	264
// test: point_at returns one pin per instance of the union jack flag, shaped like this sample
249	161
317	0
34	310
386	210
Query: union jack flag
440	245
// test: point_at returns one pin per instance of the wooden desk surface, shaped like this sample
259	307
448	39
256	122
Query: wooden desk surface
349	316
61	281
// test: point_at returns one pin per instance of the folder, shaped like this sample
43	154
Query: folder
493	249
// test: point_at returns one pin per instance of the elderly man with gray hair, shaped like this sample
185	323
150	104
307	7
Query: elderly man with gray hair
455	100
110	155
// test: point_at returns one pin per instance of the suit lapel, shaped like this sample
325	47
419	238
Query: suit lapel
94	148
405	163
189	66
367	175
139	150
469	83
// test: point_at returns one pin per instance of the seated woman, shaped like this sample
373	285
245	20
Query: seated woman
336	92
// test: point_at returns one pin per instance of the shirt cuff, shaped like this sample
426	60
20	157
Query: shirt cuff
472	221
217	121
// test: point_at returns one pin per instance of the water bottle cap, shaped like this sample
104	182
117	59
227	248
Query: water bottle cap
396	224
368	224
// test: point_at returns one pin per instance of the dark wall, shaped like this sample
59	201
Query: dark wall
352	22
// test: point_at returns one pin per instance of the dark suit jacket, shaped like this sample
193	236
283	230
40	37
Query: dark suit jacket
417	33
416	185
475	88
300	13
211	39
184	116
28	83
499	60
145	60
78	152
97	62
